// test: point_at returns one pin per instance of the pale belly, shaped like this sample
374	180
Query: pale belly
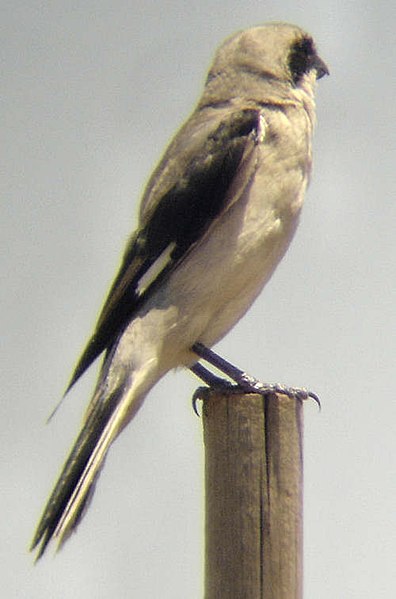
220	278
219	281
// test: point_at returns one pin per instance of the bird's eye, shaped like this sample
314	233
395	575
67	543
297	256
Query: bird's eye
301	58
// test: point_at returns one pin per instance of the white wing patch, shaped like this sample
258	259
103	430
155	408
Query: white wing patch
155	269
262	126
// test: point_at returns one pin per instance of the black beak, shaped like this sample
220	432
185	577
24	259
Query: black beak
320	67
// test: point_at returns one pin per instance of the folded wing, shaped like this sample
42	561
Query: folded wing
173	223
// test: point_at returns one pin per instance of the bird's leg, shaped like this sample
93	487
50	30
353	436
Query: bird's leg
207	376
244	381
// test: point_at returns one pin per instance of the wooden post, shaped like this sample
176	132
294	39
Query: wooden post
253	479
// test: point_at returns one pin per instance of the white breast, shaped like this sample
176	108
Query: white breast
221	277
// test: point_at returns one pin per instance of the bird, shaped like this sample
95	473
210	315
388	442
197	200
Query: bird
216	217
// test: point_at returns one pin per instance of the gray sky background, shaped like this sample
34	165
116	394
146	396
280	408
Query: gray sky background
91	93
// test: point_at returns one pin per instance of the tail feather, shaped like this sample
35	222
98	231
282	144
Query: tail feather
76	483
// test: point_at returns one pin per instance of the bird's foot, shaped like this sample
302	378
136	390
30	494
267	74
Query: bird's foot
220	385
253	385
244	382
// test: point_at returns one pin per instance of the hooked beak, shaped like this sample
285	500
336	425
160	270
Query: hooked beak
320	66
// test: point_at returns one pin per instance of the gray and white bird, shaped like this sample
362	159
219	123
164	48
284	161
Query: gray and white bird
216	217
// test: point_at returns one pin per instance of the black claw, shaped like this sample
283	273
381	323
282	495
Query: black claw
313	396
221	385
199	394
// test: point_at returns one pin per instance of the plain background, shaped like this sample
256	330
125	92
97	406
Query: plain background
91	93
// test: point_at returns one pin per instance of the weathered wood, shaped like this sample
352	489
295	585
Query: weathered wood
253	477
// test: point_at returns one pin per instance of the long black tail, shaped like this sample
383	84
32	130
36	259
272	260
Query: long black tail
76	483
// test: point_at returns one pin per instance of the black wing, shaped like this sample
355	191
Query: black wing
174	224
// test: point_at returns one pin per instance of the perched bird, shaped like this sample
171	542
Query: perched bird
216	217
